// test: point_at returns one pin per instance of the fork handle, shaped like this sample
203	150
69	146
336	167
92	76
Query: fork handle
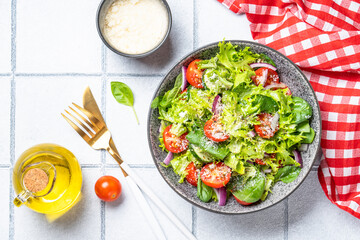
158	202
145	208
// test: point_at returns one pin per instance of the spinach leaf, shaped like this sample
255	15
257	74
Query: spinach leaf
197	137
172	94
309	136
287	174
156	102
303	127
123	95
266	104
301	111
248	189
204	192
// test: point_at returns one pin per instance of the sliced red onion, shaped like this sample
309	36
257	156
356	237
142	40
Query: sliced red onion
268	170
304	147
252	134
266	155
184	82
298	157
216	104
168	158
276	85
262	79
221	195
275	121
248	161
259	65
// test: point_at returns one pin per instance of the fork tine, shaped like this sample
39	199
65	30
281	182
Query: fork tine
94	127
82	124
93	119
77	129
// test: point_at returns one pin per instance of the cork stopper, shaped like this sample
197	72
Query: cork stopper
35	180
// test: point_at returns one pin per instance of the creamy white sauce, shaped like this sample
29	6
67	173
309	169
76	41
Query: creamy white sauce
136	26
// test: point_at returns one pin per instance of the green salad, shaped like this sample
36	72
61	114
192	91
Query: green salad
232	128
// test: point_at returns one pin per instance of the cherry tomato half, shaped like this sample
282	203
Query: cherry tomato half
214	130
242	202
174	143
108	188
272	76
260	161
194	75
265	130
192	174
215	175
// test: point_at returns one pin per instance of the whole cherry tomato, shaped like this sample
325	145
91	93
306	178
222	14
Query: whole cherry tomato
108	188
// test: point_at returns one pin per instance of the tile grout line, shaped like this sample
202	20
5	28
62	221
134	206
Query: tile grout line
194	220
195	26
286	219
74	74
12	117
103	152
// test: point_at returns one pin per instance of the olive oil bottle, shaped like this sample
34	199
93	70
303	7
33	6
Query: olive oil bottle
47	178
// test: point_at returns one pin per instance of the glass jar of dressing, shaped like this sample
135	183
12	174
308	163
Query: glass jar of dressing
47	178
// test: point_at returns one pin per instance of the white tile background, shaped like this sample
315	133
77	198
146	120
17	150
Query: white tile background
49	53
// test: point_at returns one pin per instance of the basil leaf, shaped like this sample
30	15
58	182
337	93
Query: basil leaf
204	192
248	189
301	111
217	150
123	95
171	94
287	174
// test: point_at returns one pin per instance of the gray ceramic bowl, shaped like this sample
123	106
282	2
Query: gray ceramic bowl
100	20
292	76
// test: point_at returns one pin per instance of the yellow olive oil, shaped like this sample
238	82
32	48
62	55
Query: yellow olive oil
63	186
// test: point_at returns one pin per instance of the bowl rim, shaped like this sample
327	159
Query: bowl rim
140	55
214	44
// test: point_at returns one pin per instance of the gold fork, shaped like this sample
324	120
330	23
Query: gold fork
99	138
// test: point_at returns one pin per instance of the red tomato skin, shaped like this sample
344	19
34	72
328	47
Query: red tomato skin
215	175
108	188
260	162
272	78
214	131
181	143
194	75
264	129
193	173
241	202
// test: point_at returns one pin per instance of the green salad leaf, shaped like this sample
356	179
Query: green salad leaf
217	150
287	174
204	192
248	189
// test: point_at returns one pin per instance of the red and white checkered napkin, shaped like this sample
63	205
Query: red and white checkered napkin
323	38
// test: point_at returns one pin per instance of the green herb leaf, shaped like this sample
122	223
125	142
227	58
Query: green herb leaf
302	110
123	95
287	174
204	192
198	138
248	189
